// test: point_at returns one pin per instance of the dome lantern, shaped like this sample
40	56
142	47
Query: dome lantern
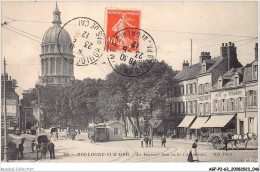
56	16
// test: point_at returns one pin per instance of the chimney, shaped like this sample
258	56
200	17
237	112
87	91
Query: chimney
204	56
229	51
256	51
185	64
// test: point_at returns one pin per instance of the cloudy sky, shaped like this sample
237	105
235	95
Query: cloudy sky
171	24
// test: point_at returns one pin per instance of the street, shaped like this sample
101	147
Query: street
129	150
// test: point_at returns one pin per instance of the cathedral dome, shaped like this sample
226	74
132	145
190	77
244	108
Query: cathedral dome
51	36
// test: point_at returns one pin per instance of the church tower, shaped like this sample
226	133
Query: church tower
56	68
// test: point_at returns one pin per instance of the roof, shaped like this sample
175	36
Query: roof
218	120
10	95
51	36
248	72
188	72
112	122
191	72
214	63
228	77
186	122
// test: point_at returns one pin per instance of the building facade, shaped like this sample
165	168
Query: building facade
12	104
196	93
57	59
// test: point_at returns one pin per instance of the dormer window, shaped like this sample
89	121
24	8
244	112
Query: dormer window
236	80
220	83
255	72
204	66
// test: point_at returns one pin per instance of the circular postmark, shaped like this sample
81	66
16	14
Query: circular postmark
88	40
131	52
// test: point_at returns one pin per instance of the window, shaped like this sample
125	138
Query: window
215	105
42	49
251	98
52	65
255	72
195	106
240	104
177	107
236	80
52	48
115	130
46	48
206	88
195	88
220	83
201	87
204	67
232	105
201	108
223	105
182	90
250	125
182	108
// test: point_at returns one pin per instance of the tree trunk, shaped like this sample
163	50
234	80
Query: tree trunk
129	118
137	124
123	117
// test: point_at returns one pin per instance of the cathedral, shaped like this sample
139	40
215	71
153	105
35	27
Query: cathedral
56	68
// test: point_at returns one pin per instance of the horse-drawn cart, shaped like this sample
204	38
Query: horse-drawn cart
217	140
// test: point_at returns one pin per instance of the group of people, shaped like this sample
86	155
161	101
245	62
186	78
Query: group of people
43	148
149	141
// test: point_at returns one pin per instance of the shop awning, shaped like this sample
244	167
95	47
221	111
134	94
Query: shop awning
186	122
218	120
199	122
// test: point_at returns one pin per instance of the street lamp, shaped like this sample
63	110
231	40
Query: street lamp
5	118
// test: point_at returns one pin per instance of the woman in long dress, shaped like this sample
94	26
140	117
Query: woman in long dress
193	155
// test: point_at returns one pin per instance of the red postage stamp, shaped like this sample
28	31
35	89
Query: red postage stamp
118	20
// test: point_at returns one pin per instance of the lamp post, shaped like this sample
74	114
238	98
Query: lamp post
5	118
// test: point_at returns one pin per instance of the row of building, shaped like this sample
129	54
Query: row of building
215	95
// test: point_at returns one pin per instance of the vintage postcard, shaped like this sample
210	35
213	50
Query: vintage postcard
136	82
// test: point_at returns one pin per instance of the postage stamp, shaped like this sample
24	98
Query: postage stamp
88	40
134	59
117	20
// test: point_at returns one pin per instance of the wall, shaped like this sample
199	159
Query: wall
119	136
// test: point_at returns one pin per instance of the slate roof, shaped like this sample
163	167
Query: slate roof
228	78
248	73
190	72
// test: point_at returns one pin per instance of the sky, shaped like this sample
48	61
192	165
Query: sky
171	24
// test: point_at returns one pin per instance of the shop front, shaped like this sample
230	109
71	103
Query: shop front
183	127
196	128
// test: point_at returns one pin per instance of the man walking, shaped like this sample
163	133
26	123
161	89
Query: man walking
163	140
50	147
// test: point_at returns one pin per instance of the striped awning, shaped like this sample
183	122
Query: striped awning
199	122
218	120
186	122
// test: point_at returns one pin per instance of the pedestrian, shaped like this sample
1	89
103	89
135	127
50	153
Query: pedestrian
146	141
50	147
193	152
79	131
174	134
33	144
20	147
56	135
149	141
225	140
163	140
142	142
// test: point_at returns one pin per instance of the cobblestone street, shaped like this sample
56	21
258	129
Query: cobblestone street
129	150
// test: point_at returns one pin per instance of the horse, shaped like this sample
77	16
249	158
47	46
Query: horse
236	139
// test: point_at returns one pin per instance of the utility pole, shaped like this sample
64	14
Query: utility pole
191	52
5	118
